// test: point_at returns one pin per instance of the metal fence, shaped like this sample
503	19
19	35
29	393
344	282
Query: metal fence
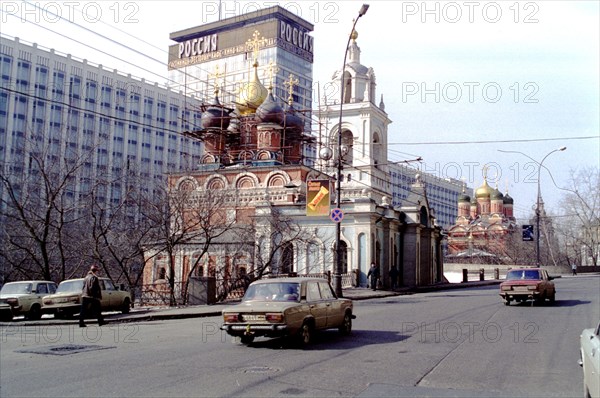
160	294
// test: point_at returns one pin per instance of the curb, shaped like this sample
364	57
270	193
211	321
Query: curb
188	312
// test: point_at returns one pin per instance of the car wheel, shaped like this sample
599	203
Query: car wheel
552	298
305	334
346	326
126	306
247	339
506	302
35	312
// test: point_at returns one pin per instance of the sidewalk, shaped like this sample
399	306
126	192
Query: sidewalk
145	314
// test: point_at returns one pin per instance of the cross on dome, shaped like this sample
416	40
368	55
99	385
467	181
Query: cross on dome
272	70
290	83
217	76
255	44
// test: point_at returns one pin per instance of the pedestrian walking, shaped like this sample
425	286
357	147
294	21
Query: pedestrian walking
574	268
374	275
393	277
90	297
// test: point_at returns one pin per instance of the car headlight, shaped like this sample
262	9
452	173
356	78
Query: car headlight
274	317
533	288
506	288
74	299
13	302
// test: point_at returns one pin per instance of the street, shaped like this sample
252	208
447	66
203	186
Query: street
461	342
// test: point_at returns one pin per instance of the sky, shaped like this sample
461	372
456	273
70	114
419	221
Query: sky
463	81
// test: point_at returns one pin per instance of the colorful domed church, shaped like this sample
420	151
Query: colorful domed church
258	131
483	225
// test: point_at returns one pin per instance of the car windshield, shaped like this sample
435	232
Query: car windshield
16	288
530	274
285	291
70	286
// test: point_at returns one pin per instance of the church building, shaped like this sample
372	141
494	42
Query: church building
254	153
484	224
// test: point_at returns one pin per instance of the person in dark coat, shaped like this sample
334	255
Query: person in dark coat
374	275
90	297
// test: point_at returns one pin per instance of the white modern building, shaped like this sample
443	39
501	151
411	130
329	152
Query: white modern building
64	109
442	193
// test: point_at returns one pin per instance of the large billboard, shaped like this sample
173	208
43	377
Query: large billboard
210	46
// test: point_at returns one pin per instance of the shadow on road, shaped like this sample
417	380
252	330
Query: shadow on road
557	303
570	303
332	340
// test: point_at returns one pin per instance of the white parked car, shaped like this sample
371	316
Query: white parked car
590	361
25	297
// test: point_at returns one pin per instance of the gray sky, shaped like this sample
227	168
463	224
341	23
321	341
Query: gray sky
461	80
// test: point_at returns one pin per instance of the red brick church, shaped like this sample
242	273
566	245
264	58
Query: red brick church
483	225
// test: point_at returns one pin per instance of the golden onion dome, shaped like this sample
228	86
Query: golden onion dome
484	191
251	94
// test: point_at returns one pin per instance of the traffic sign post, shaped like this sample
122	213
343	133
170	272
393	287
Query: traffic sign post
336	215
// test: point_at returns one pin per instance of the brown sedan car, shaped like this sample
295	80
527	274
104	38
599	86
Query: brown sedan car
294	307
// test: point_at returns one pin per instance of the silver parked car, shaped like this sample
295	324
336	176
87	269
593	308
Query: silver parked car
293	307
25	297
590	361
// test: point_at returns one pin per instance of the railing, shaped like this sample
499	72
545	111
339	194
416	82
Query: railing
159	294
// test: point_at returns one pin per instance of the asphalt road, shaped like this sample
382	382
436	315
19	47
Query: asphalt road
455	343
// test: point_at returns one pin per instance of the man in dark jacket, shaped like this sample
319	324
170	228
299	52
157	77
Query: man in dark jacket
374	275
90	297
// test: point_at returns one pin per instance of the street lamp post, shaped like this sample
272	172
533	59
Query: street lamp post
539	196
337	277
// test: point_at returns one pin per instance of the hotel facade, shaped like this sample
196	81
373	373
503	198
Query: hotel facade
56	106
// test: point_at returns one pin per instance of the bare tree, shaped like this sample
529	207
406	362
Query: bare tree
186	218
579	225
272	239
117	236
517	251
40	216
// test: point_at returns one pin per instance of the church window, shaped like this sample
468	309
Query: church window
347	87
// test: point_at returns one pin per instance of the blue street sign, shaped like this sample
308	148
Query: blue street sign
337	215
528	233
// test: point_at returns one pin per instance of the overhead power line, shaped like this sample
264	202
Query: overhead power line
495	141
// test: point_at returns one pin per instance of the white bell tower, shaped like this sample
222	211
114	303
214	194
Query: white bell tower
364	129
